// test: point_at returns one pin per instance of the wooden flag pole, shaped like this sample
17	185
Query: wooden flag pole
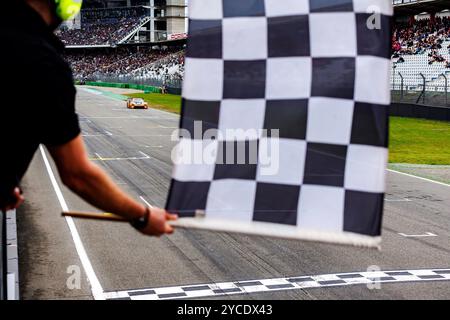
94	216
105	217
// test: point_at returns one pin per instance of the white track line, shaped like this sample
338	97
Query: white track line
98	156
96	288
118	159
420	178
146	202
144	154
397	200
426	235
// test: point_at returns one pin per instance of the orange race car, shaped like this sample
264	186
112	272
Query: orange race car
136	103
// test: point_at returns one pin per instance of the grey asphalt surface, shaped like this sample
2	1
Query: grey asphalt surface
122	259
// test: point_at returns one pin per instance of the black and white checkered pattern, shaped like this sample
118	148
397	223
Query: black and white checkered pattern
315	71
291	283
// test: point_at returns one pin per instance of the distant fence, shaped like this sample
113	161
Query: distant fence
423	92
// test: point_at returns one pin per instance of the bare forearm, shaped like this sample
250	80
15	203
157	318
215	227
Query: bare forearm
95	187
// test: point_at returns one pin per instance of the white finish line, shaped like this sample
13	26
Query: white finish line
281	284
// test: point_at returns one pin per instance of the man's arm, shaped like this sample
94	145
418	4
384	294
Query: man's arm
92	184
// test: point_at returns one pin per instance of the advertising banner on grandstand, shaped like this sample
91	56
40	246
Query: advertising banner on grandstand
177	36
284	125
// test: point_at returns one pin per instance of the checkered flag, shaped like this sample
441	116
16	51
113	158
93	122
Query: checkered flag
285	119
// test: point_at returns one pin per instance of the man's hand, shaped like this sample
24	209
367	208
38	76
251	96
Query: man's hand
92	184
158	224
16	200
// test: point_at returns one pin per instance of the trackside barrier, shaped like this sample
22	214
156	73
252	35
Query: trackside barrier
175	91
9	266
3	258
420	111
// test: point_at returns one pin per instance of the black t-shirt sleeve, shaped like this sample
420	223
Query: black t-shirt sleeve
56	92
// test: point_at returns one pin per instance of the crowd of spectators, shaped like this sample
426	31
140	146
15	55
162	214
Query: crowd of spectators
111	14
168	68
103	26
422	37
143	62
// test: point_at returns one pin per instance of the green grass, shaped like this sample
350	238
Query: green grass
413	141
419	141
166	102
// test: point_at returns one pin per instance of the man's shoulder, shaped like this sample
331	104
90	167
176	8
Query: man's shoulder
32	65
33	53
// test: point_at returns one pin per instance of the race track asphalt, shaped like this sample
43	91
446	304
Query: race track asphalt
134	147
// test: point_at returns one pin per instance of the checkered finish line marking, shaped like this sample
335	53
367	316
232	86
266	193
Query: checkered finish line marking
281	284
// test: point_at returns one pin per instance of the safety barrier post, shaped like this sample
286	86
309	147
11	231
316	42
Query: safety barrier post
423	93
401	83
446	88
394	66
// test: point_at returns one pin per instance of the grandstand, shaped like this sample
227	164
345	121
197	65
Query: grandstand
139	40
105	27
145	65
111	22
421	45
422	49
171	67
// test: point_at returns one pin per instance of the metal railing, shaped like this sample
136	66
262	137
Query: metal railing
422	92
3	258
9	266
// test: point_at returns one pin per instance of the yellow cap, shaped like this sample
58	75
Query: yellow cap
68	9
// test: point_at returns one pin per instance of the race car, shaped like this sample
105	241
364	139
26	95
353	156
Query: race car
135	103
